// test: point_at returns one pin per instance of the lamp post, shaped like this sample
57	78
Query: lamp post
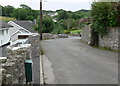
40	19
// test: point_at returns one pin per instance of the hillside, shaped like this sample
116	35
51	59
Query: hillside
7	18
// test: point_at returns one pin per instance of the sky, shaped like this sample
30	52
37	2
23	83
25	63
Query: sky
72	5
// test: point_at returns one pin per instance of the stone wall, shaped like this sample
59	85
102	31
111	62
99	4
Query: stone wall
49	36
111	39
13	69
86	34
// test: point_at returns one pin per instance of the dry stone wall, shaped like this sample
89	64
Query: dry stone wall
110	40
86	33
13	69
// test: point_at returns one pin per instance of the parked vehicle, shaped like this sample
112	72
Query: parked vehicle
62	36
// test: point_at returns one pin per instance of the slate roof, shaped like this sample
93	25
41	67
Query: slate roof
28	25
4	24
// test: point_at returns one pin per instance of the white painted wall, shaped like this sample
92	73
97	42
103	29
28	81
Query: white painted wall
15	36
15	30
4	36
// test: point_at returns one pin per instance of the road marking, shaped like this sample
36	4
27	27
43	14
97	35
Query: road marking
41	71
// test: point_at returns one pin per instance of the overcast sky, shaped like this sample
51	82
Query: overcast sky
72	5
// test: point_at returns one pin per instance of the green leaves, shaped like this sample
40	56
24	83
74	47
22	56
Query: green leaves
47	23
104	15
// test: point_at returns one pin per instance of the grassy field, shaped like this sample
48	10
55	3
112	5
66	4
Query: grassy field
75	31
7	18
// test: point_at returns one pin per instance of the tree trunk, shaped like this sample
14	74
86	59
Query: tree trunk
94	38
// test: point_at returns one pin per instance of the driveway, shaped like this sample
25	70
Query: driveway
74	62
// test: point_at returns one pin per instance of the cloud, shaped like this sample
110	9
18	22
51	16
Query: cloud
68	1
50	4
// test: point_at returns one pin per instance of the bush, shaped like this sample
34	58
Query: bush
104	15
58	29
30	18
66	31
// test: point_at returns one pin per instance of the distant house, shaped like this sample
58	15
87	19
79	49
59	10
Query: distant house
52	14
86	20
4	32
21	27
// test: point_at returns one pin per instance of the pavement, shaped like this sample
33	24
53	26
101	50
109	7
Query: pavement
70	61
35	55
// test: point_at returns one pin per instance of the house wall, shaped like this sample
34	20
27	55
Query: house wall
14	37
111	39
14	31
4	36
15	28
86	33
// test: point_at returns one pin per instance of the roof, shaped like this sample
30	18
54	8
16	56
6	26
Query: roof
85	19
4	24
27	24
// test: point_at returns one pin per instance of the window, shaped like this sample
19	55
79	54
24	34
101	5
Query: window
6	31
2	32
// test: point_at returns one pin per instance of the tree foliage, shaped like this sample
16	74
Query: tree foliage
7	10
62	15
104	15
47	24
22	13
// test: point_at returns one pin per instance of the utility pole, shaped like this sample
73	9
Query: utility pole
40	19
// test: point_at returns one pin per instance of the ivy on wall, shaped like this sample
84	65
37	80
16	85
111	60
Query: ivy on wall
105	14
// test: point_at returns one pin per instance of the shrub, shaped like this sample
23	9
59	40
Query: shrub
66	31
104	15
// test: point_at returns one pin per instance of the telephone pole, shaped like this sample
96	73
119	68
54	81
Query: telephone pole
40	19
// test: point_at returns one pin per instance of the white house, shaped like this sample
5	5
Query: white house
21	27
4	32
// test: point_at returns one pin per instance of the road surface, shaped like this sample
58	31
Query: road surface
74	62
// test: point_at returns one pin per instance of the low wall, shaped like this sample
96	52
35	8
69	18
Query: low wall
86	33
111	39
13	69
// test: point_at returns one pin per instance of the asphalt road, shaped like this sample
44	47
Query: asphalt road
74	62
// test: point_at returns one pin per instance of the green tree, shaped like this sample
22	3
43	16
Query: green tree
20	13
25	7
25	13
75	16
63	15
8	10
47	24
58	29
68	23
104	15
1	12
30	18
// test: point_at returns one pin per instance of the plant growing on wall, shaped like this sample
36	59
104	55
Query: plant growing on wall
104	15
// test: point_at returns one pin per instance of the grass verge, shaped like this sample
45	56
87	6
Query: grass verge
7	19
75	31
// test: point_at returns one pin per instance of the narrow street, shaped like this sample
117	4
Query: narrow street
74	62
